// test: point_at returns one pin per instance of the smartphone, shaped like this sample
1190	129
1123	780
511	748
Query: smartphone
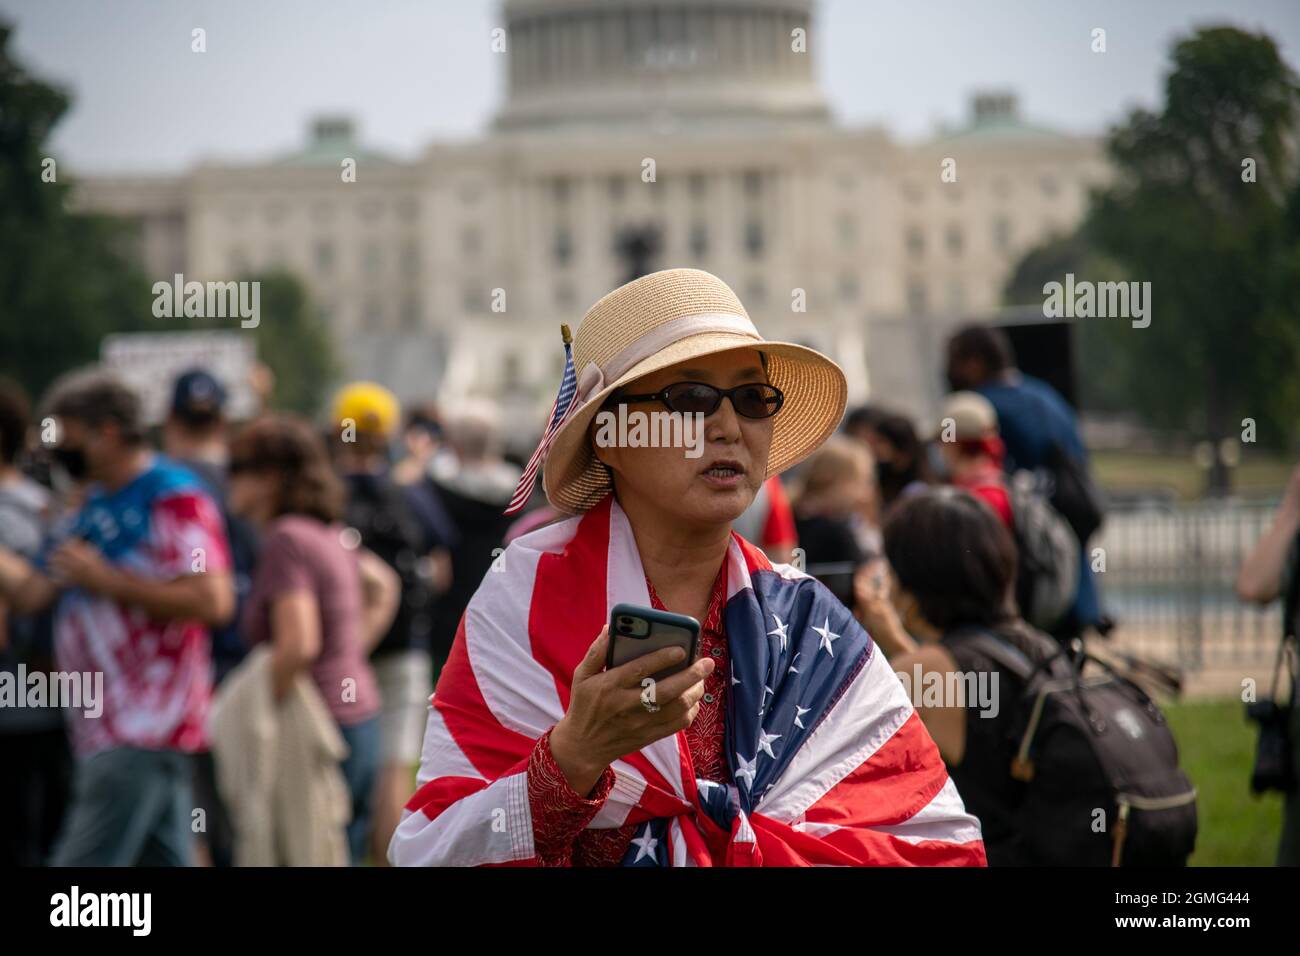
636	631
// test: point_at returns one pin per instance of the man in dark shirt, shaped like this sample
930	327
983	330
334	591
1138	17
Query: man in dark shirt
1035	424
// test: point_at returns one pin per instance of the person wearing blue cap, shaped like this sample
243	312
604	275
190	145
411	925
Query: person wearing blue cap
195	435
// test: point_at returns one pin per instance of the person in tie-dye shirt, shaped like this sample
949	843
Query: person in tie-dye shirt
141	576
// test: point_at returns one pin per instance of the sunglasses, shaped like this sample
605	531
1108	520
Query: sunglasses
751	400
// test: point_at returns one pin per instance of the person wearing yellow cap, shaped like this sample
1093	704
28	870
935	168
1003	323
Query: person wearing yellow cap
390	522
367	408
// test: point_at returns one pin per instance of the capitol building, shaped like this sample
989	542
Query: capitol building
634	135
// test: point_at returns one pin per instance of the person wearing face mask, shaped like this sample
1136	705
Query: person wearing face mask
901	457
786	741
138	583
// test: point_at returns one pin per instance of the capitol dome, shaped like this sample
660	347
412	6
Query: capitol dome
587	63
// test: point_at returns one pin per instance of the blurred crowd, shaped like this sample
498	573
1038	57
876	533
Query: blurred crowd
271	709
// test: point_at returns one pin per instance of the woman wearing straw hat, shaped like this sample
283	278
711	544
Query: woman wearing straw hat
787	740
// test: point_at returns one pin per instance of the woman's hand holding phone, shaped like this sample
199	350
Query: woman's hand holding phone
606	718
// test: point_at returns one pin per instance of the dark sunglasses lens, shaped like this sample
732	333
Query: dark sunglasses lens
756	401
690	398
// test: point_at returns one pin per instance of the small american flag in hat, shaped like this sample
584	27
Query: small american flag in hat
565	404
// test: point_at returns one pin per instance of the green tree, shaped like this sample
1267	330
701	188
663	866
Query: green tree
1104	369
65	279
1205	206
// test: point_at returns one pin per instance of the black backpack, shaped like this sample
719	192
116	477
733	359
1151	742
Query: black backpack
1074	495
1098	764
1047	570
377	508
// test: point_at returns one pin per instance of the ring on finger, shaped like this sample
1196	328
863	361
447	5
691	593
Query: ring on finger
648	699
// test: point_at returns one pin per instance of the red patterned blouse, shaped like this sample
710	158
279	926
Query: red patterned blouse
560	815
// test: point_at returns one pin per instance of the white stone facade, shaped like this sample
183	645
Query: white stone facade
752	181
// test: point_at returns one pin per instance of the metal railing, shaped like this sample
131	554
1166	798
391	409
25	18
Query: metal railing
1169	579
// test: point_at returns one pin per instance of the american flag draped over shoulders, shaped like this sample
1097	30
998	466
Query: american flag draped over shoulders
832	765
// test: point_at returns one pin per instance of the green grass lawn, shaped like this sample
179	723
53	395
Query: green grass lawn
1259	475
1217	745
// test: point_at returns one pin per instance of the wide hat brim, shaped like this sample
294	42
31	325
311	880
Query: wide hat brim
815	397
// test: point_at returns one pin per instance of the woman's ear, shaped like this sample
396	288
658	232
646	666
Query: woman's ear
601	452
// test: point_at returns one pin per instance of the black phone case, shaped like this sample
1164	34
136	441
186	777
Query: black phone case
665	630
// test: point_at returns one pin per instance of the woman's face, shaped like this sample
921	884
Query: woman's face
717	485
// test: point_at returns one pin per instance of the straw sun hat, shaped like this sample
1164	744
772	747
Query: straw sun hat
662	319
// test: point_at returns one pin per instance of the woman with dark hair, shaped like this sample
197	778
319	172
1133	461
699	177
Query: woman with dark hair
899	453
320	600
953	571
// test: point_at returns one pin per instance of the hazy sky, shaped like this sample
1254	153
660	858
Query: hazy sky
411	71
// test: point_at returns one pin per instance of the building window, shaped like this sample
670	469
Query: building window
917	297
696	184
954	240
470	241
324	256
473	299
753	183
561	189
411	313
562	246
848	288
699	240
1002	233
564	295
754	238
956	297
411	259
617	187
915	242
469	192
510	371
370	258
848	230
